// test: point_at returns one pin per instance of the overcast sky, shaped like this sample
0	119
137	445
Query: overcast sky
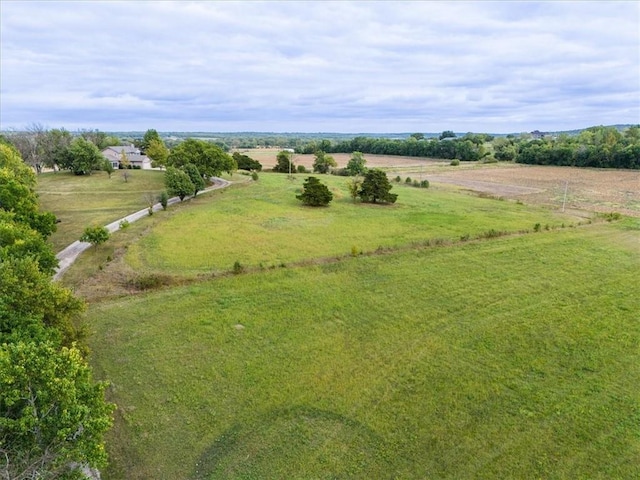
339	66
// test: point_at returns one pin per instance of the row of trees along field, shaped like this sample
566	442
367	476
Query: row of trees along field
602	147
52	414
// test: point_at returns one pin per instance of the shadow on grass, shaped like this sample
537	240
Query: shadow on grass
297	442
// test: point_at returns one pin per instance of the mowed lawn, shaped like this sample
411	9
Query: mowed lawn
79	201
263	225
515	357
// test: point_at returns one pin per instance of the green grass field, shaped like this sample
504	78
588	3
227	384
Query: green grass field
264	225
80	201
509	357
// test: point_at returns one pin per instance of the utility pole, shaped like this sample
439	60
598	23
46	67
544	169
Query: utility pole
564	200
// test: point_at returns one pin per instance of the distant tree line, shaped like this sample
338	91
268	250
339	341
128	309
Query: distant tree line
601	147
605	147
470	147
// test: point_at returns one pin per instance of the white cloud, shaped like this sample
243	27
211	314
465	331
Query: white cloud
311	66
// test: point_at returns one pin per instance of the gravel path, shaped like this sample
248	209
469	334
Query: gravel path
67	256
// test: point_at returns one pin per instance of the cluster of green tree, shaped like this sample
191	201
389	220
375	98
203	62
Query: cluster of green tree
470	147
600	147
284	163
53	416
58	148
192	163
245	162
373	188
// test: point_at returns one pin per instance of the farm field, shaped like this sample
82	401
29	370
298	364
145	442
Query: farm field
600	190
444	336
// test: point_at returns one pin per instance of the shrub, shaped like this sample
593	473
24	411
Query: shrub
537	227
149	282
424	184
407	180
254	176
237	268
611	216
124	224
164	200
455	162
398	179
301	169
95	235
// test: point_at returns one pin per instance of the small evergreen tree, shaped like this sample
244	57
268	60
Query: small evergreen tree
376	187
314	193
164	200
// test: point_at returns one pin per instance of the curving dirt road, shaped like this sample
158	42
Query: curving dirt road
67	256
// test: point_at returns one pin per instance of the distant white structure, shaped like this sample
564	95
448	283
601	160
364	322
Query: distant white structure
133	154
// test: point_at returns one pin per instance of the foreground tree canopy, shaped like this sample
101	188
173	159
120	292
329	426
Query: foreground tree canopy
53	416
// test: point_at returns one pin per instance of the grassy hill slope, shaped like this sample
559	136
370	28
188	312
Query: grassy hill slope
513	357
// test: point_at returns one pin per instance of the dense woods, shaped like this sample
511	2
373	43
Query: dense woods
602	147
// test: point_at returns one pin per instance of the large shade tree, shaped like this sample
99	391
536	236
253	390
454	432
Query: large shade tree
210	159
82	157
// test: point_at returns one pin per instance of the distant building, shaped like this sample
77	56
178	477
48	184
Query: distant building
537	134
133	154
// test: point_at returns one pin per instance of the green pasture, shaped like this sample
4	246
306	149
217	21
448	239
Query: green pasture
263	225
82	200
514	357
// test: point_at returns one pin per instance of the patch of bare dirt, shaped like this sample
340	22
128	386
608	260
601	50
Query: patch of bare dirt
597	190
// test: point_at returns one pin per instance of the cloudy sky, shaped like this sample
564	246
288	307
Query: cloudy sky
337	66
